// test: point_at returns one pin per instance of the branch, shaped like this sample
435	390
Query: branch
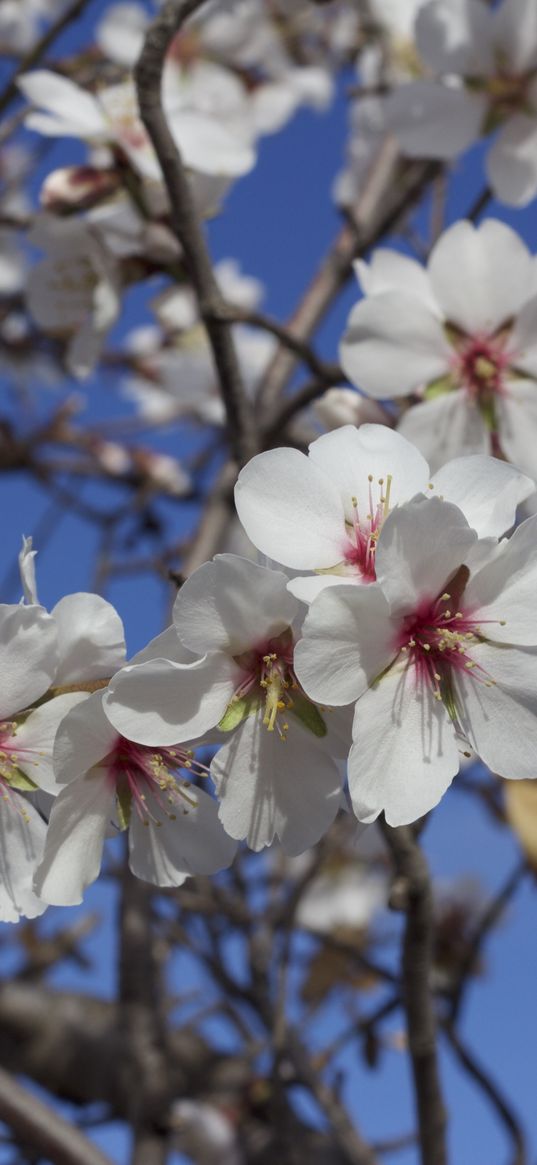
185	222
501	1107
390	191
39	49
415	885
45	1131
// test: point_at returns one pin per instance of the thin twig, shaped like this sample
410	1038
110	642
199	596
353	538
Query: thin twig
413	875
185	222
46	1132
482	1079
39	49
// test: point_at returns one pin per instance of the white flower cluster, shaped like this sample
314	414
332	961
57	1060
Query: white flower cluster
401	637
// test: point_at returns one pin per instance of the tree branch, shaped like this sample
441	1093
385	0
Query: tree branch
185	222
414	886
46	1132
491	1090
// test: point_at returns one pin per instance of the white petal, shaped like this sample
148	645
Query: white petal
522	343
487	491
270	787
27	571
434	121
500	722
455	36
445	427
504	589
194	843
393	344
421	546
58	95
390	271
517	423
22	838
120	34
28	655
75	839
404	755
307	588
350	456
290	510
231	604
36	735
83	739
481	276
512	162
348	639
164	703
515	33
91	640
207	146
166	645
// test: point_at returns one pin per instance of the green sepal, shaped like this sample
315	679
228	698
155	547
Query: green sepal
438	387
123	805
238	710
448	698
487	408
308	714
18	780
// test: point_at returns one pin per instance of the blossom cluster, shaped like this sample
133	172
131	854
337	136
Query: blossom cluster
392	635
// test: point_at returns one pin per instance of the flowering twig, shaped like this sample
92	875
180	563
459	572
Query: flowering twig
148	76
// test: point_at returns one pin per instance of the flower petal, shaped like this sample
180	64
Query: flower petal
504	590
165	703
22	838
480	275
58	95
290	510
512	162
404	755
445	427
421	546
270	787
351	457
455	36
35	739
348	639
232	604
193	843
431	120
517	423
91	640
75	839
84	737
393	344
28	655
500	722
487	491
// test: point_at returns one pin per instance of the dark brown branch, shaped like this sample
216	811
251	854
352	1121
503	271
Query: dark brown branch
502	1109
185	222
39	49
35	1126
414	889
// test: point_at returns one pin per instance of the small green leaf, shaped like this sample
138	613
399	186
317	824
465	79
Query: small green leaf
18	780
238	710
308	714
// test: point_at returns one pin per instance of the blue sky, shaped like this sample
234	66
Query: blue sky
278	222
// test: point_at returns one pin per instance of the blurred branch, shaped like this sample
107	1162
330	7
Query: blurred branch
414	896
184	218
33	56
46	1132
482	1079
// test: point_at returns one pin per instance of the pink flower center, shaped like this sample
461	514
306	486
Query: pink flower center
363	534
268	671
438	640
480	365
138	770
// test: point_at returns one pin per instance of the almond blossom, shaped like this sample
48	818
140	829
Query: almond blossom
439	659
173	826
325	512
460	333
276	774
110	118
483	59
29	662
